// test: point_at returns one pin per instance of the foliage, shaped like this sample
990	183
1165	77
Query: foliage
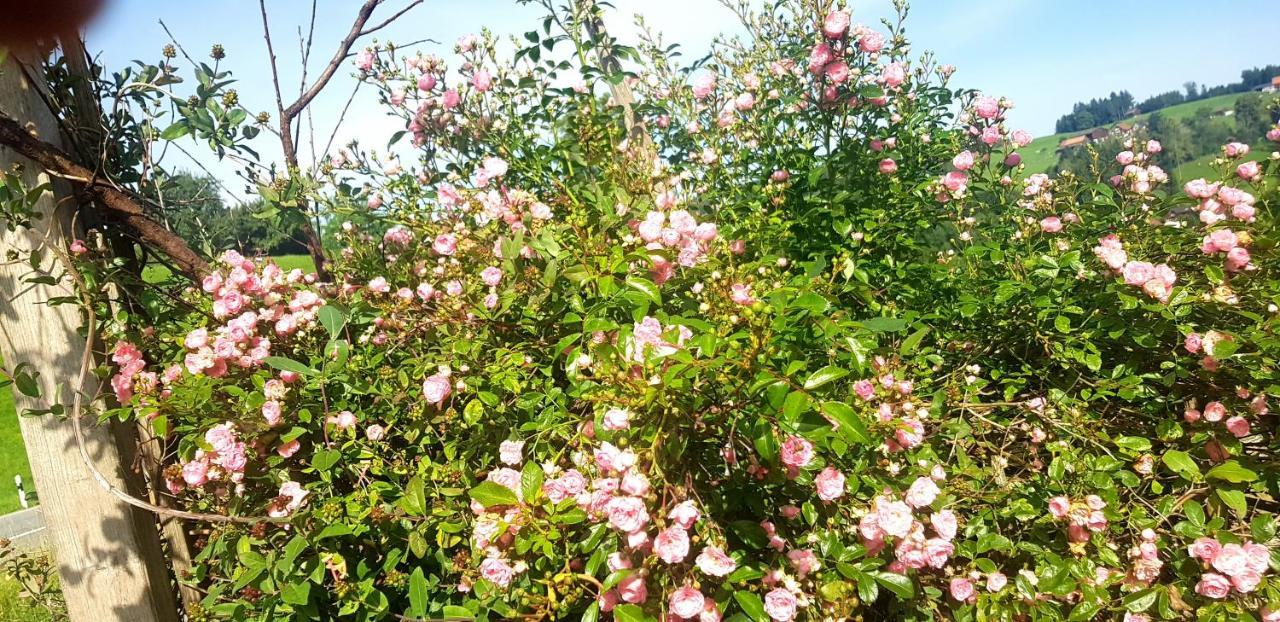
29	589
789	336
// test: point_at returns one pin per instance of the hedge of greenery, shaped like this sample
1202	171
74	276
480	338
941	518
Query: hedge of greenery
789	336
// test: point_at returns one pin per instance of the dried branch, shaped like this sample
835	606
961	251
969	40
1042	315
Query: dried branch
118	205
393	18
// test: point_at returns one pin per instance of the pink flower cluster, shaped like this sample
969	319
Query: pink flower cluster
895	409
893	521
1217	200
1216	411
1137	176
130	377
1146	561
224	462
1082	516
676	230
829	59
647	340
1227	241
1155	280
282	304
1234	566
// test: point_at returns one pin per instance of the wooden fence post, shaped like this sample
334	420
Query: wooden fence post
108	556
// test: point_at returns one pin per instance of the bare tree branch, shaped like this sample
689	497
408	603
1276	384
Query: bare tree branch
118	204
393	18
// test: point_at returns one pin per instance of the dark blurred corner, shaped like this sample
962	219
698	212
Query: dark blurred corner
27	22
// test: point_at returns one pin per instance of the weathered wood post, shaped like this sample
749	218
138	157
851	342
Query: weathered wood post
109	557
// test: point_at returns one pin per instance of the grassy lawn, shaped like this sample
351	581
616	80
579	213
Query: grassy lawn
13	459
156	273
15	608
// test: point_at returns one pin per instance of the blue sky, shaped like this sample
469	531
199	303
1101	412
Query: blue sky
1044	55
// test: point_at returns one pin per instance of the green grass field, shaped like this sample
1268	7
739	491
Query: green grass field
13	457
156	273
14	608
1042	154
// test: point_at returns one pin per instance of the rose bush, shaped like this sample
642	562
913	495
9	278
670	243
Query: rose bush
782	334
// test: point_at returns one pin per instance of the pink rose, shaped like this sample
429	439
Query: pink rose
963	160
1238	426
510	452
888	166
1204	549
632	589
1051	224
1192	343
195	473
616	419
491	276
1214	412
796	452
944	524
715	562
686	602
922	492
893	517
871	42
1213	585
685	514
996	581
704	84
436	388
286	450
627	514
445	244
830	484
986	107
803	560
835	24
1231	560
375	432
1058	506
780	604
497	571
672	544
961	589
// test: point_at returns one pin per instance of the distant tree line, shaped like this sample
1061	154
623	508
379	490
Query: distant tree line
192	207
1117	106
1184	140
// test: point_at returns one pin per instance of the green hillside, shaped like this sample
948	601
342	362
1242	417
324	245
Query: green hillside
1041	155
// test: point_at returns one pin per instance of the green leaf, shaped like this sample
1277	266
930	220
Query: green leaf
324	459
1062	323
1233	499
287	364
461	613
531	481
419	597
825	375
1180	462
176	131
1135	443
492	493
630	613
414	500
751	605
901	585
850	424
884	324
1231	471
332	318
912	342
1141	600
296	593
646	287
